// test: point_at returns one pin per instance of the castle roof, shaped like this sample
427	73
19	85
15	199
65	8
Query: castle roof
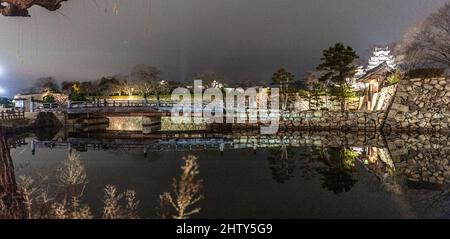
381	69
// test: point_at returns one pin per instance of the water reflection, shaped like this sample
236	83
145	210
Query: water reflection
125	123
410	173
337	172
187	192
139	123
38	198
282	163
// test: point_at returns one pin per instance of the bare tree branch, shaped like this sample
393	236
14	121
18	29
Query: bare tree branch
428	43
19	8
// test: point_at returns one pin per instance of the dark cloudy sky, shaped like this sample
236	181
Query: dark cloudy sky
87	39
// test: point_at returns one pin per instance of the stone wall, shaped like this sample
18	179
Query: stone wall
321	121
421	158
384	98
245	139
420	105
326	120
305	104
334	120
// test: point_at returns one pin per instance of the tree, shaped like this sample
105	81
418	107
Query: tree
247	82
77	93
282	163
283	78
337	173
147	80
77	96
88	88
6	102
187	192
46	84
337	65
126	85
427	44
210	80
49	99
109	86
12	201
67	87
395	78
316	89
19	8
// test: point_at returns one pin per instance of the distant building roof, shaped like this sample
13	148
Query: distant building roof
18	99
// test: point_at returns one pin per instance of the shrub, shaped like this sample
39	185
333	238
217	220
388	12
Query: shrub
48	99
77	97
394	78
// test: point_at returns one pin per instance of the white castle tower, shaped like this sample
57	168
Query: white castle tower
380	55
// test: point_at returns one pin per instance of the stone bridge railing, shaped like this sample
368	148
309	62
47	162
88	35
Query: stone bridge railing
118	103
11	115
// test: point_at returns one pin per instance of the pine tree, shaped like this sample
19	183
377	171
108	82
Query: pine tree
284	78
337	65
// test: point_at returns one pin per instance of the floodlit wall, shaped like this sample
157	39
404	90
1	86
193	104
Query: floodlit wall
421	105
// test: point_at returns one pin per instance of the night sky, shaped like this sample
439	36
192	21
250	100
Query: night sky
87	39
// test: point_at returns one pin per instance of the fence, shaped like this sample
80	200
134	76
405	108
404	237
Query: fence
12	114
119	103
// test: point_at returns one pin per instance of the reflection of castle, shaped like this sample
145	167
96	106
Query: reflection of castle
378	161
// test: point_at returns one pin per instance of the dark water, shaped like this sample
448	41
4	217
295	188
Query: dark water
303	175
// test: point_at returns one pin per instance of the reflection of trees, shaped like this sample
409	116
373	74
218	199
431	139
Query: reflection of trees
337	175
71	175
113	209
337	180
309	161
46	134
281	163
187	191
28	198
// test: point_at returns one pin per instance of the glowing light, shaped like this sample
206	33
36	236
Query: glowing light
2	91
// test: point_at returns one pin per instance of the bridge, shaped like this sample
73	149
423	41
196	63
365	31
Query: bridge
93	115
14	121
84	144
120	106
144	107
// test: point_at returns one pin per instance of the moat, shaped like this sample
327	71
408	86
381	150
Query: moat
246	175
